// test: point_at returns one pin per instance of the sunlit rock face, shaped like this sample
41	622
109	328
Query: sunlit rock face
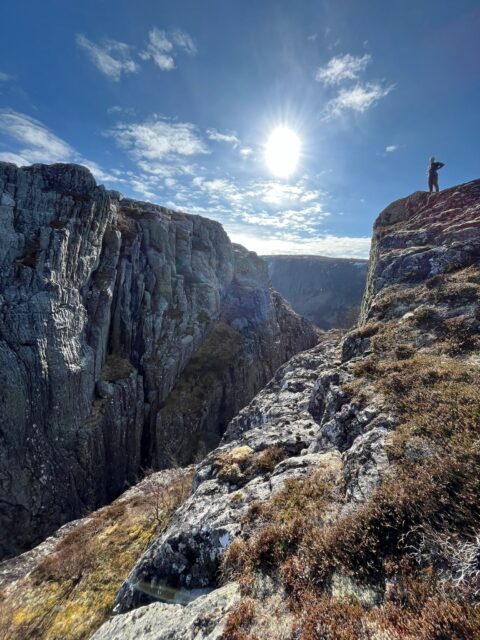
104	304
326	291
384	419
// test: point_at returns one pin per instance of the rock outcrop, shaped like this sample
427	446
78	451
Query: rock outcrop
326	291
106	306
344	497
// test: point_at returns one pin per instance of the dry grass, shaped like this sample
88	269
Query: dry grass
241	464
399	540
71	592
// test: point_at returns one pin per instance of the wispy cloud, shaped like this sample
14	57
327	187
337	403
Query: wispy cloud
391	148
116	110
159	147
246	152
4	77
217	136
110	57
37	142
357	99
291	243
34	142
184	41
162	47
341	68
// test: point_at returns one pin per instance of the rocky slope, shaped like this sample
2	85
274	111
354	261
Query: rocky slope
66	586
106	306
343	501
327	291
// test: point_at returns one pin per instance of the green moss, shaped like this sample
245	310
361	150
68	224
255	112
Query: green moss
116	368
206	369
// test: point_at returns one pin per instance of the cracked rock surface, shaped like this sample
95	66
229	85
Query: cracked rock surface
312	416
105	305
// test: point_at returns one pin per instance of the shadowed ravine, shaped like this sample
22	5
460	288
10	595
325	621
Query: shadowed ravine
343	499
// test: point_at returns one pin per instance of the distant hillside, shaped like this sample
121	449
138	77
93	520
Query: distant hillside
327	291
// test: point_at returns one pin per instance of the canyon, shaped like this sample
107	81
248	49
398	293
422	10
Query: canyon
326	291
129	336
340	501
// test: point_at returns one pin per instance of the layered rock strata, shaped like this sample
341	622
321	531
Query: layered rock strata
104	304
345	495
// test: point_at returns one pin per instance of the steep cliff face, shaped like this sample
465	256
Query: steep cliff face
326	291
104	301
343	501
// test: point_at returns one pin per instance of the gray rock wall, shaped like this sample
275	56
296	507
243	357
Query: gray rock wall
312	412
103	303
326	291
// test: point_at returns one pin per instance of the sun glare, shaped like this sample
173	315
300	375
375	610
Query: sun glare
282	152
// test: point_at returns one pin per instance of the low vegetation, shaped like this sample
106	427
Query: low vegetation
116	368
409	557
206	369
70	593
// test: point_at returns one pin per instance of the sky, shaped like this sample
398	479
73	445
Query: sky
174	103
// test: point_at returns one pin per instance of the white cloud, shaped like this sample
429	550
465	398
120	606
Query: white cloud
36	143
284	242
313	37
342	68
358	98
158	49
162	47
15	158
391	148
156	140
110	57
217	136
184	41
4	77
117	110
246	152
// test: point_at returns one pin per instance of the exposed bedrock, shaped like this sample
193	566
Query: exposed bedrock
105	306
340	414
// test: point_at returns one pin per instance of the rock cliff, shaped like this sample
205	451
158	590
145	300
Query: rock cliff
106	306
343	501
326	291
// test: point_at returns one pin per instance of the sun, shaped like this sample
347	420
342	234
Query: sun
282	152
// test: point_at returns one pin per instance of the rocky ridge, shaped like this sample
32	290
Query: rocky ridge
105	306
344	498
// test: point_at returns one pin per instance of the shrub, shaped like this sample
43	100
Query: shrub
116	368
70	593
426	317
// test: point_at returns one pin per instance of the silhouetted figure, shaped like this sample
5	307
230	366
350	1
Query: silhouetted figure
432	173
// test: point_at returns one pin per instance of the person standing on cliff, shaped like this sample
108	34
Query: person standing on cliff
432	173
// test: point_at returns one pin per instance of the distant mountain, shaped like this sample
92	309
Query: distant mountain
326	291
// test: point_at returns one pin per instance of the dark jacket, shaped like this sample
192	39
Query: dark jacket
433	169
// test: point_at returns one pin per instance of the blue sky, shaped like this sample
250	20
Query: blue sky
173	102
